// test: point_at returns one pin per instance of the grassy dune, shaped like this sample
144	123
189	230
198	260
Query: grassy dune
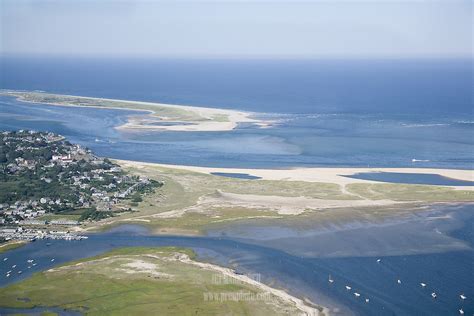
410	192
136	281
183	189
189	202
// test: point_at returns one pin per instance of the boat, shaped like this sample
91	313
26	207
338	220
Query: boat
348	287
399	281
367	300
330	280
5	259
461	311
423	284
433	295
19	272
379	260
419	160
356	294
462	296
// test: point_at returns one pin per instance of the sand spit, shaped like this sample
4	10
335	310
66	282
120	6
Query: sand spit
324	175
157	116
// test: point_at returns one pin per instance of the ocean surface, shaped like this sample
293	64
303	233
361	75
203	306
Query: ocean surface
301	260
328	112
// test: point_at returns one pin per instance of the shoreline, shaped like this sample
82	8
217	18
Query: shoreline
204	119
281	294
11	245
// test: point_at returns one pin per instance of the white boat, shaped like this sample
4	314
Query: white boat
356	294
330	280
5	259
14	266
419	160
367	300
423	284
52	260
378	260
19	272
462	296
348	287
399	281
433	295
8	275
461	312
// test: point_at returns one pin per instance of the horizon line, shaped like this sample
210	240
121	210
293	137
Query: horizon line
239	57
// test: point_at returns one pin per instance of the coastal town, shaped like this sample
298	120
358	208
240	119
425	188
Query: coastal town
46	180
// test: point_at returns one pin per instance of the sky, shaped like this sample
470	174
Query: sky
239	28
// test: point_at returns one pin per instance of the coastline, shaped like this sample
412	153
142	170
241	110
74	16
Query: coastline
173	117
281	294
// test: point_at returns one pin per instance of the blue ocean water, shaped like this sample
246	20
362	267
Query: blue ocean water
403	87
329	112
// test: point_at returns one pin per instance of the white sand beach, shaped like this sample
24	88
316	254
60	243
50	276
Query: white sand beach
325	175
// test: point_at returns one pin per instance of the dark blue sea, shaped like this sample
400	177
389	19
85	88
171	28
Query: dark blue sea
329	112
